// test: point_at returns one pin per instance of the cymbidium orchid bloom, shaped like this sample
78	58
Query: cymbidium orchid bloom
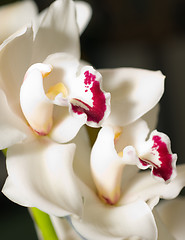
46	96
130	148
119	206
119	198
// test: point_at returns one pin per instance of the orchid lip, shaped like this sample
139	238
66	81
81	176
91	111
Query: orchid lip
160	158
94	100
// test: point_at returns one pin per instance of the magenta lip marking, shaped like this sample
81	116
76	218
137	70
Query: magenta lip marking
95	113
165	170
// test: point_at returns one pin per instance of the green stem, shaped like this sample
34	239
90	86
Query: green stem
44	224
4	151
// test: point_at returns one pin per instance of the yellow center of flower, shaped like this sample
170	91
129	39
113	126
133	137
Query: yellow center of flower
120	154
57	89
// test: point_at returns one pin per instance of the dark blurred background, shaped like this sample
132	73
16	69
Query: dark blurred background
125	33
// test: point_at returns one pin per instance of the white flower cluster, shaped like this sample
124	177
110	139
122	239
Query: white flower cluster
47	97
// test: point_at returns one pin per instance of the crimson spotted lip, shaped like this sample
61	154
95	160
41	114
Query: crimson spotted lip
97	111
163	170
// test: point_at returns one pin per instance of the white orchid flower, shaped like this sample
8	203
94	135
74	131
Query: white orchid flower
119	199
131	216
32	126
110	156
47	95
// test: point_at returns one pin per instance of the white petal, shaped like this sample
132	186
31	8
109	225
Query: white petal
65	67
12	192
37	108
144	187
172	214
65	127
58	32
103	222
64	229
15	54
12	128
81	163
133	93
42	170
133	134
83	15
38	20
14	16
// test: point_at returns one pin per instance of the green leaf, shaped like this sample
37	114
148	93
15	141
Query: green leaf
44	224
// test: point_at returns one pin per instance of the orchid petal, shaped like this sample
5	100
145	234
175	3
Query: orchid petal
172	214
82	158
129	90
37	21
62	131
144	186
83	15
64	229
88	98
42	170
10	190
60	29
103	222
37	108
12	129
133	134
13	70
65	68
13	16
